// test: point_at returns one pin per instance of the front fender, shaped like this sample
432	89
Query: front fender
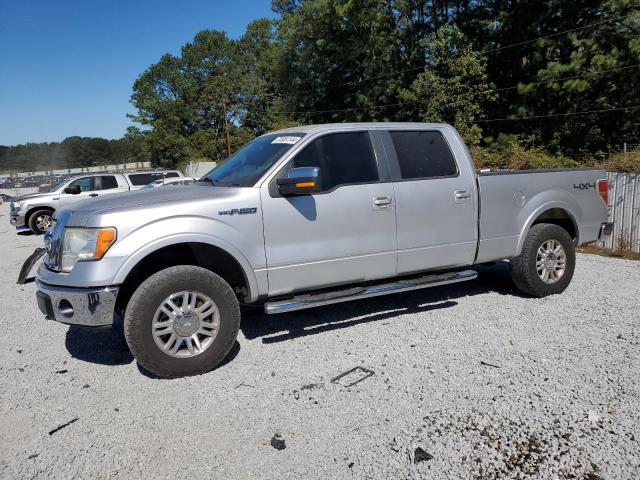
174	239
138	247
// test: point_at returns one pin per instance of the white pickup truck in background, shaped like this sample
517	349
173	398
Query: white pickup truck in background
34	211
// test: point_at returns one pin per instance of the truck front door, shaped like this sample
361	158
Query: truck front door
345	233
91	187
436	201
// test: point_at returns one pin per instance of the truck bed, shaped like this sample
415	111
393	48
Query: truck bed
510	201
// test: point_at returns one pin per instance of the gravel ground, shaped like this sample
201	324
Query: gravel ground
471	381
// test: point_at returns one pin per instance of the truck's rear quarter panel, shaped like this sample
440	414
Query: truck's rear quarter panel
511	201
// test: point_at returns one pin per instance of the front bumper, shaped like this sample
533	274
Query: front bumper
89	307
16	219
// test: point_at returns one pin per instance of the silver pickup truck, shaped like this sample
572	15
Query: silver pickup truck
34	211
303	217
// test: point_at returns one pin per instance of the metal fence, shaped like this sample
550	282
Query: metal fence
624	211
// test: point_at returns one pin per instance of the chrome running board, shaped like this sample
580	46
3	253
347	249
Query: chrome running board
311	300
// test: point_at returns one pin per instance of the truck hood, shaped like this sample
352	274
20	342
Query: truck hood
153	197
29	196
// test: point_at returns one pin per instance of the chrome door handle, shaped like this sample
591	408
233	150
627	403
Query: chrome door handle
382	202
462	195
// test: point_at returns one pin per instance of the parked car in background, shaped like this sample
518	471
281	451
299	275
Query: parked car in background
35	211
163	182
304	217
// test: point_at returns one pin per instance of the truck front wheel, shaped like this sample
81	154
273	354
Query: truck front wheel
181	321
546	264
40	220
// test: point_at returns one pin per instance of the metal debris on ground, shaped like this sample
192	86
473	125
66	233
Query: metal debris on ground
277	442
482	362
353	376
421	456
242	384
64	425
310	386
62	371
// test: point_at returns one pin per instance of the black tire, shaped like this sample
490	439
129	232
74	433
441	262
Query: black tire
151	294
523	267
35	220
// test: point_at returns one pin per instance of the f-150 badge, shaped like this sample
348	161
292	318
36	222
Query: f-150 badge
239	211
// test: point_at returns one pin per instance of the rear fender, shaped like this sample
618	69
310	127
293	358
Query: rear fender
539	204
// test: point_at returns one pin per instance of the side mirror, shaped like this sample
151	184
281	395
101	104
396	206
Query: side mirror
300	181
72	189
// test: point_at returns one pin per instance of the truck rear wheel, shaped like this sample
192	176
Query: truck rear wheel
546	264
181	321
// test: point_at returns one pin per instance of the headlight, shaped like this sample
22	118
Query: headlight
82	244
17	205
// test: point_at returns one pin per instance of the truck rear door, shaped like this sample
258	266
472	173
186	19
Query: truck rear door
436	199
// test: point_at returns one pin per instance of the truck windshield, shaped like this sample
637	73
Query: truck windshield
245	167
58	185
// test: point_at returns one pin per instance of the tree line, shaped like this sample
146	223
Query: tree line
73	152
546	83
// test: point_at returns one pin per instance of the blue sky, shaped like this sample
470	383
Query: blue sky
67	67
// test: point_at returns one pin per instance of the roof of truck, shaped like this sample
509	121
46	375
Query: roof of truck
109	172
364	125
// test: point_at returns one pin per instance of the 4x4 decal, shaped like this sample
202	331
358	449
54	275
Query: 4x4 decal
584	186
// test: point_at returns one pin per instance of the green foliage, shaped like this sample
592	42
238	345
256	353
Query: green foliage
621	162
184	99
454	86
481	65
543	72
408	60
508	152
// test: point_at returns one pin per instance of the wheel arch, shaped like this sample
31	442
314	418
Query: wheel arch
557	213
197	250
32	210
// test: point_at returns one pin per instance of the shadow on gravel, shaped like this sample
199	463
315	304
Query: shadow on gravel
286	326
233	353
25	233
106	347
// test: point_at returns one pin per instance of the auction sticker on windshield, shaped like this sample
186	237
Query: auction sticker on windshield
289	140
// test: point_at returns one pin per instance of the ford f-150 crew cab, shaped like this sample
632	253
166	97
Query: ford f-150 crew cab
302	217
34	211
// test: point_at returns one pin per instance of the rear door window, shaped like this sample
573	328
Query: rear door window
138	179
106	182
423	154
343	158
